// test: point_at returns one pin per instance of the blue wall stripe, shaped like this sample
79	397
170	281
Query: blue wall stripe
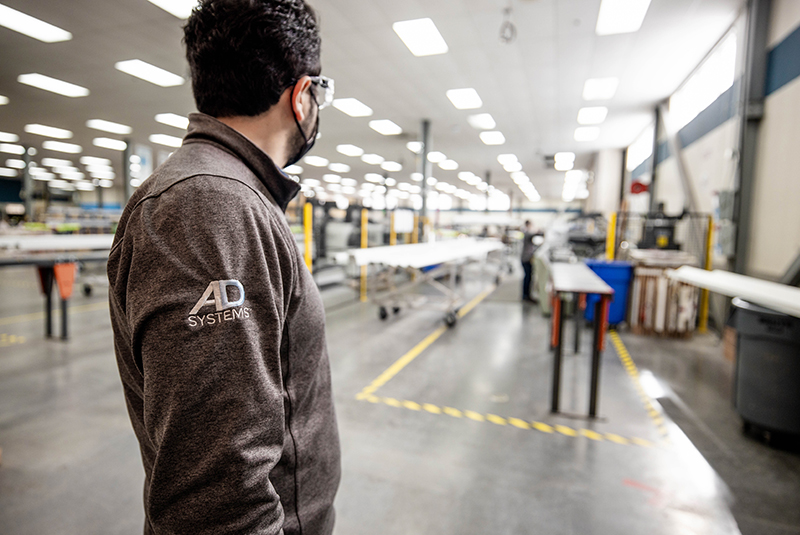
783	62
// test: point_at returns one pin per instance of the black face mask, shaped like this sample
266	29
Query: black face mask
308	143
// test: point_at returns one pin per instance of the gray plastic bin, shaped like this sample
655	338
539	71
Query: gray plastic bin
767	367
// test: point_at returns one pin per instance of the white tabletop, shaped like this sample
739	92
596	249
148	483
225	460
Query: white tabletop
773	295
420	255
577	278
58	243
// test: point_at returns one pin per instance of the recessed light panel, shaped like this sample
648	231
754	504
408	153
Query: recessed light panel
293	170
600	88
7	137
587	133
149	73
465	99
3	100
173	119
350	150
386	127
449	165
372	159
621	16
92	160
482	121
339	167
316	161
179	8
32	27
493	137
414	146
436	157
108	126
48	131
392	167
10	148
108	143
60	87
352	107
167	141
592	115
421	36
60	146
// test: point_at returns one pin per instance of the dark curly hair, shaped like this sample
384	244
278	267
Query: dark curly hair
244	54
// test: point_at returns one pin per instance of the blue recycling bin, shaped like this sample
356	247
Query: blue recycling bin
618	275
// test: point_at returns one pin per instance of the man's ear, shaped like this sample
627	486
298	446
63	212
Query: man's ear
299	95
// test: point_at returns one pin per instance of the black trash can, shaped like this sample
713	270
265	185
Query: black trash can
767	367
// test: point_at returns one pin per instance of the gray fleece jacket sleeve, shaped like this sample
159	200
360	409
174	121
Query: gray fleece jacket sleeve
207	300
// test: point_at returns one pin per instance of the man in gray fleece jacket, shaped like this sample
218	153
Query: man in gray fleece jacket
219	329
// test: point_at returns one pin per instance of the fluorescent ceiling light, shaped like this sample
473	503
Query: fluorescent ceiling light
167	141
180	8
465	175
592	115
375	178
564	165
482	121
350	150
332	179
621	16
149	73
48	131
513	167
32	27
3	100
372	159
465	99
339	167
108	126
103	175
352	107
349	182
564	156
293	170
173	119
415	146
587	133
108	143
421	36
72	175
10	173
56	162
436	157
84	186
600	88
311	182
6	137
416	177
493	137
53	85
9	148
316	161
392	167
46	177
505	159
15	164
92	160
60	146
386	127
105	183
449	165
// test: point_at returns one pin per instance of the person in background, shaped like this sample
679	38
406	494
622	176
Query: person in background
528	248
219	329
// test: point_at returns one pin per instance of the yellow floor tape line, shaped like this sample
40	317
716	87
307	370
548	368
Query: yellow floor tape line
633	373
10	320
519	423
406	359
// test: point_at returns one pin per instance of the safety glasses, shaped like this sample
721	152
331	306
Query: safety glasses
323	90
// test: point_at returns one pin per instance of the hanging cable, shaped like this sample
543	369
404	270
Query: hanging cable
508	30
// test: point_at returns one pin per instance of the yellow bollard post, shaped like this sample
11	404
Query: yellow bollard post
704	296
611	236
392	231
364	245
415	234
308	228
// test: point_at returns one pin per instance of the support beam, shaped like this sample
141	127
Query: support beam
27	183
654	173
426	167
758	15
676	150
126	172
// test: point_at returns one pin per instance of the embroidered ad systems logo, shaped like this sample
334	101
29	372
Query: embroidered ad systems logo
225	309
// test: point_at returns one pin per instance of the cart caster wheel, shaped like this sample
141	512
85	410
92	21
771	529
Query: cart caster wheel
383	313
451	319
498	280
396	310
87	290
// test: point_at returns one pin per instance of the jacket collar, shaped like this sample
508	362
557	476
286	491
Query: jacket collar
205	128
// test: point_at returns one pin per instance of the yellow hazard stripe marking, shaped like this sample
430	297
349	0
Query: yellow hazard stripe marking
11	340
409	357
519	423
633	372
